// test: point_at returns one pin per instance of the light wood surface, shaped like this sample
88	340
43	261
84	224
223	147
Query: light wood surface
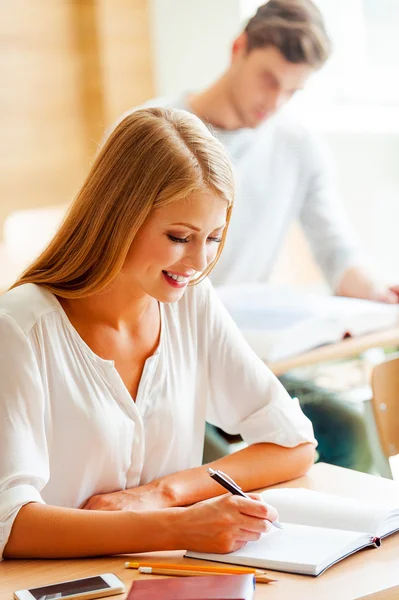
371	571
68	68
387	594
345	349
126	55
89	84
42	146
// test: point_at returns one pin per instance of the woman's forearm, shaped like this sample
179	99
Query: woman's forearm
43	531
261	465
221	524
254	467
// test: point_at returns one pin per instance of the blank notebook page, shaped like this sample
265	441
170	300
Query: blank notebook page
296	545
307	507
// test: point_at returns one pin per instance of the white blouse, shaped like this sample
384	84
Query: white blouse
70	429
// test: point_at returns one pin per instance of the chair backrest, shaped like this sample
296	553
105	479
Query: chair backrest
385	386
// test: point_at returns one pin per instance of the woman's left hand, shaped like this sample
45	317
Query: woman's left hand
144	497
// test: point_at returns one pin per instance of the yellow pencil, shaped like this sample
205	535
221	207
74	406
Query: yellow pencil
203	568
187	573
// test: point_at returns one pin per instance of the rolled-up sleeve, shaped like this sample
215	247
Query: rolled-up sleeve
244	397
24	469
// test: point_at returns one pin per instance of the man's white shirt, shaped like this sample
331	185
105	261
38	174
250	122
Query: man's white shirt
283	173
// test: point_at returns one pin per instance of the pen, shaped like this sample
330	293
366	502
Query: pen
203	568
230	485
184	573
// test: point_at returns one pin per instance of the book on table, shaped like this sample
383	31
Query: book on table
318	530
279	322
208	587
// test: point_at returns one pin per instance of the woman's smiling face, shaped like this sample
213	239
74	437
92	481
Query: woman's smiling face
175	243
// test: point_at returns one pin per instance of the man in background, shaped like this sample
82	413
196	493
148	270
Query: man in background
283	174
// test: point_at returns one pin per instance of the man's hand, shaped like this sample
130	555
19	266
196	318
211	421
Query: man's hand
394	294
356	282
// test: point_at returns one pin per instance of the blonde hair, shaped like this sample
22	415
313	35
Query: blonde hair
295	27
154	157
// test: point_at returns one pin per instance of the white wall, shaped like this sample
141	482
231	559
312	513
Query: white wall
192	41
368	169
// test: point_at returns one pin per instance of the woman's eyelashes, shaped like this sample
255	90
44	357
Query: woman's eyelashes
177	240
185	240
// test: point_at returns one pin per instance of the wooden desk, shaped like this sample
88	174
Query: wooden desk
371	572
350	347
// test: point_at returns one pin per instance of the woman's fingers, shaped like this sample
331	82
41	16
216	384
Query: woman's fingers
248	536
256	508
254	496
254	525
272	514
224	524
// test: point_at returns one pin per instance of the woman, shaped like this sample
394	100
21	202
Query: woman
112	359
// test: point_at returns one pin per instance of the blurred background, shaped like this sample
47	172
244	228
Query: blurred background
69	68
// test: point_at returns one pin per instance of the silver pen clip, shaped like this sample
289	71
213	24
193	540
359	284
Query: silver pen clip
229	479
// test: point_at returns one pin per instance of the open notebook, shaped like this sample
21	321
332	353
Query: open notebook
279	321
319	530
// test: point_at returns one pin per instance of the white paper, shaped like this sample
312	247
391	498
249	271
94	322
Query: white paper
280	321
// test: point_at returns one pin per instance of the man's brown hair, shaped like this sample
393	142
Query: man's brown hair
295	27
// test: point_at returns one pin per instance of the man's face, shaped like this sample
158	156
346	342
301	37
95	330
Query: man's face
262	81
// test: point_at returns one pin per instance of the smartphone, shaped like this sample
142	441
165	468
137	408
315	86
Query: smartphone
98	586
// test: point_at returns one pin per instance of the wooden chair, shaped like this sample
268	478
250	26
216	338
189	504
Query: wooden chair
385	403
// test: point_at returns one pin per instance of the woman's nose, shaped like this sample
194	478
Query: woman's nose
198	258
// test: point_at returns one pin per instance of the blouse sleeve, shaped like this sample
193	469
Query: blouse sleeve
244	396
24	467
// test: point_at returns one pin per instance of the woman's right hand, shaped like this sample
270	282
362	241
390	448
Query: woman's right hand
225	523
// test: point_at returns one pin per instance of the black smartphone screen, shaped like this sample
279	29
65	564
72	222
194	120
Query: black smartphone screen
62	590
